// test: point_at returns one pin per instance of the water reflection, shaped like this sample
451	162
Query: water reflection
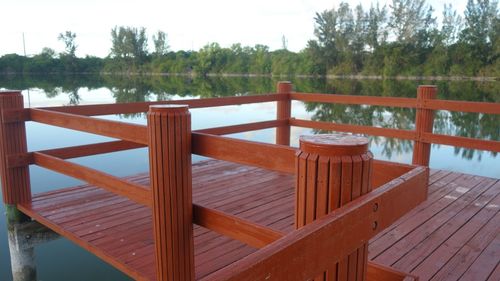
147	88
23	236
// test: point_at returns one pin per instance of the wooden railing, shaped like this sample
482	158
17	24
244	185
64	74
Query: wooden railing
14	160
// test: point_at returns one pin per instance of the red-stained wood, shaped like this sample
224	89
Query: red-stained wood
333	170
357	129
340	233
114	129
424	122
216	185
250	233
463	106
138	107
378	272
245	152
135	192
351	99
385	171
15	181
20	160
169	133
489	145
284	112
233	129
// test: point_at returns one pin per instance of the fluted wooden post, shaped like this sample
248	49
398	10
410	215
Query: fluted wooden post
424	123
284	112
169	129
16	186
333	170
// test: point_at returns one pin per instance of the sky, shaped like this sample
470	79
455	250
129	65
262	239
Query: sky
189	24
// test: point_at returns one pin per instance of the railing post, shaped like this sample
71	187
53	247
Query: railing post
284	112
169	130
15	181
424	122
333	170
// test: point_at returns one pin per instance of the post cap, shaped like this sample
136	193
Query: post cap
339	144
168	108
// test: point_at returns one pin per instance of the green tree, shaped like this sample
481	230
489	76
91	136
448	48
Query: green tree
480	19
409	18
68	38
161	44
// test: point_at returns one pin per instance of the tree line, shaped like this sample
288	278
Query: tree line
401	39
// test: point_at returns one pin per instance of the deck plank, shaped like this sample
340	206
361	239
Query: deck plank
460	210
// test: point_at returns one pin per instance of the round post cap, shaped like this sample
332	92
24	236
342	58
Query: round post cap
339	144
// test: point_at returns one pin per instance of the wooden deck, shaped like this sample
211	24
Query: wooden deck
453	235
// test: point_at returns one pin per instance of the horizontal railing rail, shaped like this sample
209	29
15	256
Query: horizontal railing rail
141	107
357	129
108	128
415	135
352	99
268	156
136	192
208	142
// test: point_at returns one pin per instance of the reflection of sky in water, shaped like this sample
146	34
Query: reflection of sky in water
42	136
135	161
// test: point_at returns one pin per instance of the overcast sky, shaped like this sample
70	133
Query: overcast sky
189	24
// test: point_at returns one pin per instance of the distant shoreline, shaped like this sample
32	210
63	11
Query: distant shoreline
253	75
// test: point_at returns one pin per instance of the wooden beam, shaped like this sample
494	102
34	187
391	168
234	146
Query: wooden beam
351	99
385	171
138	107
461	142
225	130
114	129
463	106
306	252
234	227
138	193
269	156
16	115
358	129
378	272
91	149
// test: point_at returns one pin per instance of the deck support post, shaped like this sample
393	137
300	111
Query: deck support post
15	181
333	170
169	130
424	122
284	112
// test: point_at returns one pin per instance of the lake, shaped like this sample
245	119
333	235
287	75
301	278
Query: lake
62	260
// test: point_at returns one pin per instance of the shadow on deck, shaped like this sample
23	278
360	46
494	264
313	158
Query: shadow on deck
453	235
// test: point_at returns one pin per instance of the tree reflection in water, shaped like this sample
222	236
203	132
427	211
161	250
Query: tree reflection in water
137	88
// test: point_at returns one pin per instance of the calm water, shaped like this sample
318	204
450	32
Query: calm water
61	260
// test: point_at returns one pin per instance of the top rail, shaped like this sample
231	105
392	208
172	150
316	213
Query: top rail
351	99
139	107
435	104
463	106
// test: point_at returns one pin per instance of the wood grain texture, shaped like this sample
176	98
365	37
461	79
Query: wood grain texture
169	132
114	129
16	186
340	233
245	152
267	198
284	112
138	193
424	122
327	181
